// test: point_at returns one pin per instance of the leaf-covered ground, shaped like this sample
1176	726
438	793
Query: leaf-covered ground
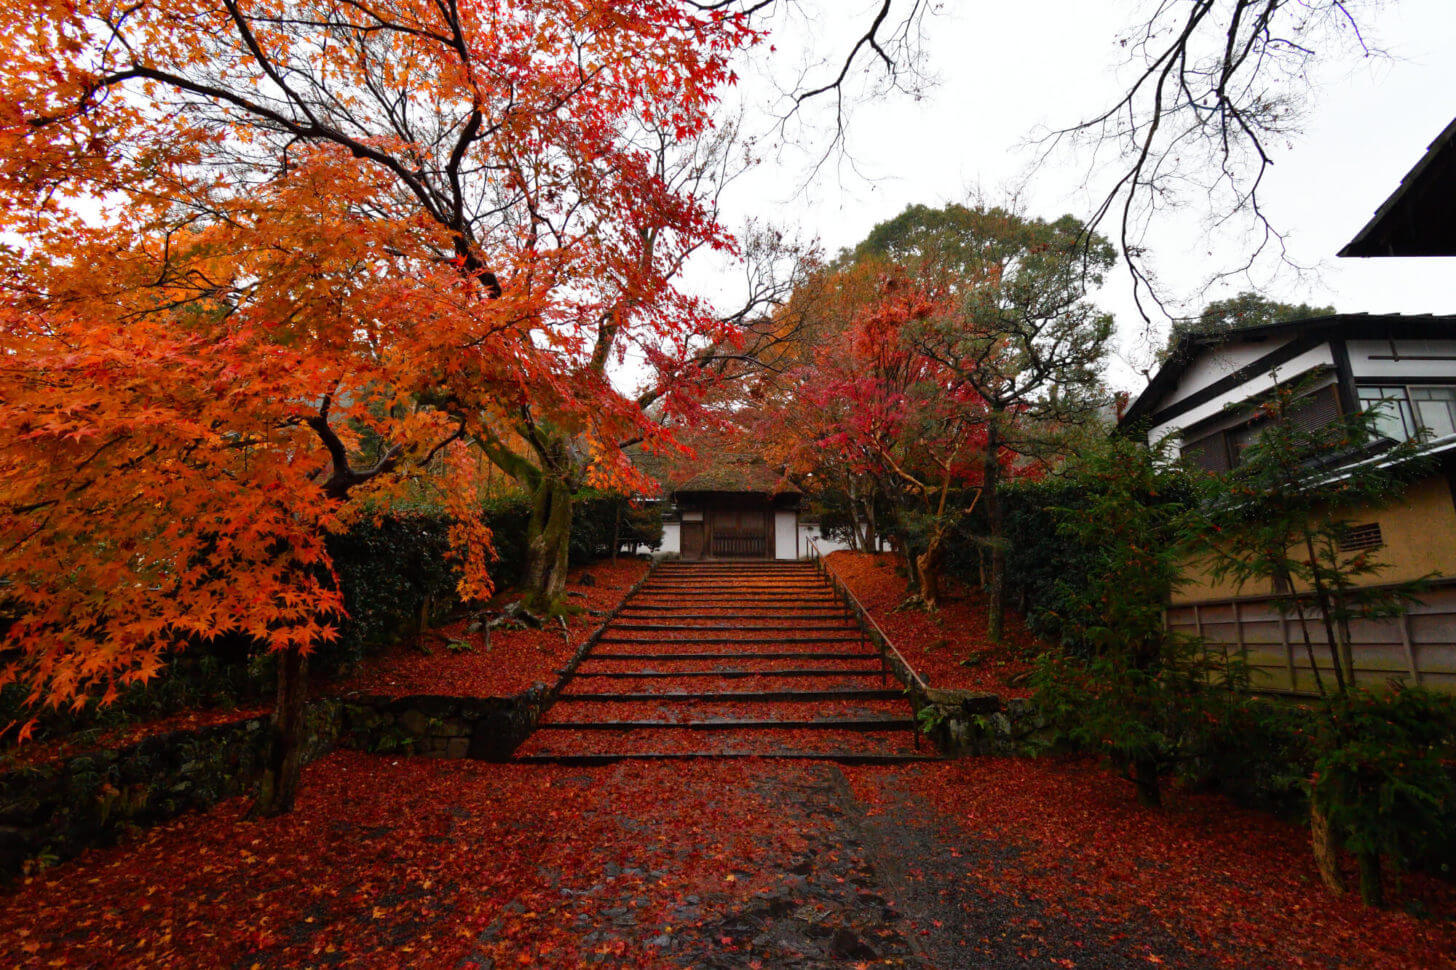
949	648
983	863
515	659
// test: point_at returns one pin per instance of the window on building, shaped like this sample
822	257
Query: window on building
1393	416
1435	409
1221	450
1401	411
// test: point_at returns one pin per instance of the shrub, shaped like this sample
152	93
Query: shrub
1383	780
1144	697
1260	755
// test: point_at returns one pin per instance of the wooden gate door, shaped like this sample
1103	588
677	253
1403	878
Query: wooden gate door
740	531
691	540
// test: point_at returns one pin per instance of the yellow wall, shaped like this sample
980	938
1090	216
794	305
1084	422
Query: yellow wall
1419	532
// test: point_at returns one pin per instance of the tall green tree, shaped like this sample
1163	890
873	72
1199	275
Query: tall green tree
1145	697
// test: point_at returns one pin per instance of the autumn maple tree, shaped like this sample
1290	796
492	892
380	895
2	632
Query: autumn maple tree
865	406
271	265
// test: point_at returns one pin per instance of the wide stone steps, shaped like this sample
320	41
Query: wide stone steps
736	660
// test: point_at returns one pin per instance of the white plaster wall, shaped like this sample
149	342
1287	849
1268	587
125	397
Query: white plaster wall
1217	364
1370	360
786	535
671	539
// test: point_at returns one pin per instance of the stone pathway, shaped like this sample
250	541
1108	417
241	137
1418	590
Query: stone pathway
835	883
711	660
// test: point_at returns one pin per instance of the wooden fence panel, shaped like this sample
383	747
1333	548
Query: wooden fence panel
1418	648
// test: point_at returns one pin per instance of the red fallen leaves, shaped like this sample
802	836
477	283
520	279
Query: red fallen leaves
408	862
935	644
757	742
1235	886
413	862
516	658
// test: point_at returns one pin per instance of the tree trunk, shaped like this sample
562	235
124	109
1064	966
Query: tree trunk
929	563
1145	781
617	531
996	527
285	748
1325	847
548	538
1326	609
1372	892
901	547
854	523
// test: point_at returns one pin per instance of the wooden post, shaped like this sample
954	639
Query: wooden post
1403	622
1288	651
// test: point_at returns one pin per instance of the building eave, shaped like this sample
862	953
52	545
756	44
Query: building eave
1419	217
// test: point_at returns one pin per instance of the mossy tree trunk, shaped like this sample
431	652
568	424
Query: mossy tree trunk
996	531
284	763
929	565
548	543
1325	846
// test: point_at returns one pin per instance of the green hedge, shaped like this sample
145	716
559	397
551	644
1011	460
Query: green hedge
396	571
1043	565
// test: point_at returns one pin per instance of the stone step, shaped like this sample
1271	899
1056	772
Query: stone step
835	694
726	674
853	638
842	758
817	597
745	655
674	625
744	724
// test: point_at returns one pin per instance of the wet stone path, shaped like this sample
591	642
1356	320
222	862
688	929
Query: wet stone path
857	884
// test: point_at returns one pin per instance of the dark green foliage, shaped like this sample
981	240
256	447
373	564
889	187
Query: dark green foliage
598	517
394	573
1384	776
1041	563
1044	565
1260	755
1241	312
1146	698
214	675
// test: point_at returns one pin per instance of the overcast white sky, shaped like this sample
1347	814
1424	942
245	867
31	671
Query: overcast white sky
1006	68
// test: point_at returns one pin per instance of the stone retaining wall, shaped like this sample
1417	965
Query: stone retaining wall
964	722
482	728
958	722
52	811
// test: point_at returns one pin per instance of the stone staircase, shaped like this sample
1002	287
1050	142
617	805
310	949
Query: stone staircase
736	660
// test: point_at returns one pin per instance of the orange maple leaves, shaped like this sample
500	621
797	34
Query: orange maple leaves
275	272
